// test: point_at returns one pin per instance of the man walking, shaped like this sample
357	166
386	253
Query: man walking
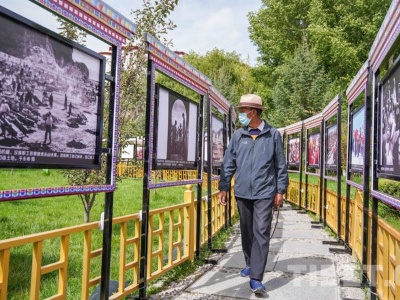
256	157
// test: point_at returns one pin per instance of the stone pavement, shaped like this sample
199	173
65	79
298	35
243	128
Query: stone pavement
304	263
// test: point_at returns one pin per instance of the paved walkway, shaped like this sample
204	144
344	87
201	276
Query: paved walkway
304	263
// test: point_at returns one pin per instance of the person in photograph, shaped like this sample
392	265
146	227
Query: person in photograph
51	99
70	109
45	97
316	151
48	124
396	142
311	157
65	102
355	142
4	108
4	111
255	156
174	136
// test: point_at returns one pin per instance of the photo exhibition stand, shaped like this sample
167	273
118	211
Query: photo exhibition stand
111	27
188	117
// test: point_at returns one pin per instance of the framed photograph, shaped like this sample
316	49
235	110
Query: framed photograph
331	147
389	125
357	139
313	150
176	131
217	131
293	151
51	98
139	152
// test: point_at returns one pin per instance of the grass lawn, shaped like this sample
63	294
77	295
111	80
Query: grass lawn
24	217
64	211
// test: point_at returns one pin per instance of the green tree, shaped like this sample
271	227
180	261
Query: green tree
151	18
229	75
70	31
300	90
337	34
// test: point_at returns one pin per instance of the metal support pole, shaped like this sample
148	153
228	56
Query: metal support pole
209	172
301	167
367	172
109	197
322	180
339	170
146	191
199	175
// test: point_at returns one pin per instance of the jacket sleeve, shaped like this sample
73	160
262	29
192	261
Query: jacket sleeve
281	173
228	167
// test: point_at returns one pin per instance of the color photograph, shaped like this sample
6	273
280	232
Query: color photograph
313	149
217	131
294	151
357	140
332	147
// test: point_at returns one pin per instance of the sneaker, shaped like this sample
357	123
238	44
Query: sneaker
245	272
257	287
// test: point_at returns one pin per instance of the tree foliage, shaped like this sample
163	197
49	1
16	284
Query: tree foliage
300	41
71	32
299	90
152	18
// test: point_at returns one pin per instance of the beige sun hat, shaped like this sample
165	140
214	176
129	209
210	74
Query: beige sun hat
251	100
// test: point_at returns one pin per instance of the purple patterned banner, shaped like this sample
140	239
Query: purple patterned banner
177	63
7	195
95	16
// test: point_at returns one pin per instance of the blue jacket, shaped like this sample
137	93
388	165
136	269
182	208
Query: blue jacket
259	165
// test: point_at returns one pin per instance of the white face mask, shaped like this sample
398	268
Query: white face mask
243	119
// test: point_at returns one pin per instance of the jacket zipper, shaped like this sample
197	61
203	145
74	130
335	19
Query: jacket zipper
252	160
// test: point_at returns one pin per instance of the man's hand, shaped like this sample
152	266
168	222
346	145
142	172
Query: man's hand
222	197
278	200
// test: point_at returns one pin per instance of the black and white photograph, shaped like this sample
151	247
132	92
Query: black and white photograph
50	98
294	151
389	151
357	139
217	131
176	131
313	149
332	146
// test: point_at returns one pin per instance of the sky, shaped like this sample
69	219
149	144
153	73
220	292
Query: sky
202	25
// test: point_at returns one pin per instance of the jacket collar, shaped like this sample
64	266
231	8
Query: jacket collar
266	128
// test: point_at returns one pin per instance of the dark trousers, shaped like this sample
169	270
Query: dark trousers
47	133
255	227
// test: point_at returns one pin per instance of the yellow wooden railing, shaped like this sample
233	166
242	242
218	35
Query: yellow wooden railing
136	171
388	239
172	232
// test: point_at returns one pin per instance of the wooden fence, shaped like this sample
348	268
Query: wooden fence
172	232
388	248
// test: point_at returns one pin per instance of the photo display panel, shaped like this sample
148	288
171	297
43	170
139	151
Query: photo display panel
357	139
51	98
217	131
331	147
176	136
294	151
389	125
313	150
